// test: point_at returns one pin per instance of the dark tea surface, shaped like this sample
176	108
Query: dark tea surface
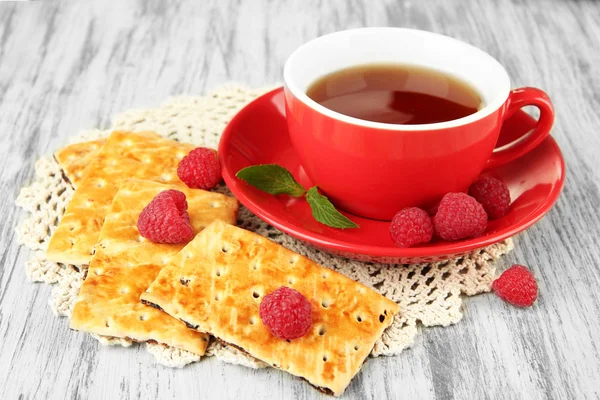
396	94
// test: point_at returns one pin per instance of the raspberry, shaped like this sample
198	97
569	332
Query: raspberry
411	226
200	169
516	286
165	219
459	216
493	195
286	313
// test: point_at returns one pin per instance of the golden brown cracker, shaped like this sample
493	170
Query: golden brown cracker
125	155
125	264
216	283
75	158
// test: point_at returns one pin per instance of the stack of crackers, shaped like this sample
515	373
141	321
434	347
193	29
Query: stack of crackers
182	295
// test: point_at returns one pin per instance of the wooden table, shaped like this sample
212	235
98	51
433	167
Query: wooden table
71	66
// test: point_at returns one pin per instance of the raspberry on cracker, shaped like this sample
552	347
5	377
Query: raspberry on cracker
286	313
459	216
493	195
165	219
411	226
200	169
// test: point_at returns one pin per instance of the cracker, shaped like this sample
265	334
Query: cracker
216	283
75	158
124	155
125	264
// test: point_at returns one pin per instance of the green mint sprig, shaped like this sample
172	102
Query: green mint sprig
271	178
325	212
275	179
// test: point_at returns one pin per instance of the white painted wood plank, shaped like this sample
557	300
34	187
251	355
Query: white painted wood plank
66	66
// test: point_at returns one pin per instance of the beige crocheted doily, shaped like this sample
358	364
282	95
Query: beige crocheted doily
429	294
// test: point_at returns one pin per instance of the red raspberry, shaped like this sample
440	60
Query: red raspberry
200	169
286	313
459	216
411	226
165	219
493	195
516	286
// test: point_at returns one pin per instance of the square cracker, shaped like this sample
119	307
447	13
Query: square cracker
124	155
125	264
216	283
75	158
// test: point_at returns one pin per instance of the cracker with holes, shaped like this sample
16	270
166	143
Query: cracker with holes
75	158
124	155
125	264
216	285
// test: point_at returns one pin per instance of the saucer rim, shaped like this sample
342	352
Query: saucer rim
238	188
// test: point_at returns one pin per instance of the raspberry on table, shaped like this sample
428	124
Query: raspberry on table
165	219
200	169
516	286
493	195
459	216
411	226
286	313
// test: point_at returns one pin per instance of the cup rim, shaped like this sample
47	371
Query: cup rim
299	94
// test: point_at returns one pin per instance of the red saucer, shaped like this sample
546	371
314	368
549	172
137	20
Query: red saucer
258	135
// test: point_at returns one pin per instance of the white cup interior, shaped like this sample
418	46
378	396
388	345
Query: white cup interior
344	49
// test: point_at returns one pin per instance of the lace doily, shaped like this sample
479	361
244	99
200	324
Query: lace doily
428	294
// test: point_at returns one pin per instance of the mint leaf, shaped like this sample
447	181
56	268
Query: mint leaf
325	212
271	178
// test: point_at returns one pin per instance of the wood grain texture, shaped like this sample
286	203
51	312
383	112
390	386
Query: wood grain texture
66	66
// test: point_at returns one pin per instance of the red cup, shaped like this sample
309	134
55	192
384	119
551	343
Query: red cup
375	169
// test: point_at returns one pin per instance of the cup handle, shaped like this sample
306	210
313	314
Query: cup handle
517	99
